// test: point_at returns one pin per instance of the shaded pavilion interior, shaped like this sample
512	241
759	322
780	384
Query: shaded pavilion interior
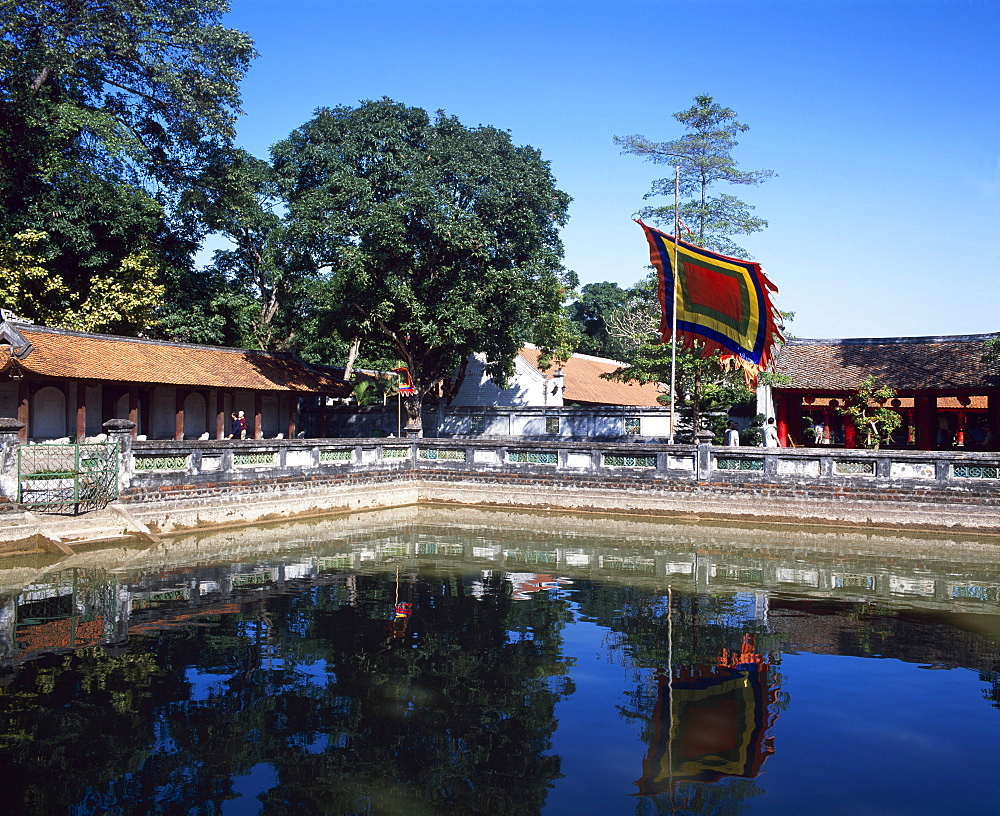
947	396
65	384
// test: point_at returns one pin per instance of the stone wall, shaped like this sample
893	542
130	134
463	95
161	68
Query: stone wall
609	422
171	485
905	489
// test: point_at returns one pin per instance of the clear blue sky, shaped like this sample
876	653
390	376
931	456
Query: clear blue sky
880	117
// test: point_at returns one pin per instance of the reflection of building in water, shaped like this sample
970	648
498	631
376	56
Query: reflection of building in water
60	609
526	583
711	722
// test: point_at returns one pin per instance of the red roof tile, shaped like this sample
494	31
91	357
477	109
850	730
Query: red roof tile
583	382
80	355
902	363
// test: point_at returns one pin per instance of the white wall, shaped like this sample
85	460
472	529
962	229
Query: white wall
527	387
48	414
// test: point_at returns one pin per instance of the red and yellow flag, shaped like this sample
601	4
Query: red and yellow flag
723	303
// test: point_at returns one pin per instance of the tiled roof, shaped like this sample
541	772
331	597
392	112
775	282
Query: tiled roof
902	363
583	382
80	355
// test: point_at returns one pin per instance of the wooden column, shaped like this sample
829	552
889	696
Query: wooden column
850	433
781	409
293	415
133	409
81	411
258	410
793	420
993	417
146	411
178	413
925	407
23	404
218	400
209	411
322	417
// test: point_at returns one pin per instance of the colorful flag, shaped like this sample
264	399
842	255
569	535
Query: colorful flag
723	303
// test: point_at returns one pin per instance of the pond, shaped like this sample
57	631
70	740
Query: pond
464	661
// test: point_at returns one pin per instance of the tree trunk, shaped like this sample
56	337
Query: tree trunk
351	357
414	422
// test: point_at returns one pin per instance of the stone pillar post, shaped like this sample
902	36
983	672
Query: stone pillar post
9	444
703	457
120	431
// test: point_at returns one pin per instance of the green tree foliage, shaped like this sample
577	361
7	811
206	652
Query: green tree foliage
108	110
126	299
613	322
590	311
866	409
704	155
238	198
430	240
451	714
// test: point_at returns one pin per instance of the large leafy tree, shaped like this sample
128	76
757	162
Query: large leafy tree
108	111
238	198
431	240
704	155
590	312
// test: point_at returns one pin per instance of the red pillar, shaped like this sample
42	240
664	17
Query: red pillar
993	417
793	420
960	431
258	410
925	408
850	433
781	409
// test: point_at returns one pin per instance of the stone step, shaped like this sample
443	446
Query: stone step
65	532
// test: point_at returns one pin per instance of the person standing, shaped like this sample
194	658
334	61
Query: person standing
234	426
770	434
243	424
732	435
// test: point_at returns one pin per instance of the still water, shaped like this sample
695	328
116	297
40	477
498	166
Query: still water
433	661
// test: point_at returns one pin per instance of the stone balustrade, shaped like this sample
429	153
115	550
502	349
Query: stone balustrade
152	461
174	484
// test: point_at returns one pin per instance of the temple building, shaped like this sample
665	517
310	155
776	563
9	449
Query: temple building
65	384
578	381
947	396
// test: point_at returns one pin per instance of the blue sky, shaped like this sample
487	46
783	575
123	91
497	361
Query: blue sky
880	117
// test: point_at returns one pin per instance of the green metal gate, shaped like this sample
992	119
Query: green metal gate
67	479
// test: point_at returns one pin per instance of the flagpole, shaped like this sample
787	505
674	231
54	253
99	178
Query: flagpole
673	326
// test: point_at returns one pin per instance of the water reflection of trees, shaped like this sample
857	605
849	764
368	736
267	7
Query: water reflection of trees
454	714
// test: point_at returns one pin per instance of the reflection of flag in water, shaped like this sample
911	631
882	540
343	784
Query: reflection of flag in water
723	303
716	725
